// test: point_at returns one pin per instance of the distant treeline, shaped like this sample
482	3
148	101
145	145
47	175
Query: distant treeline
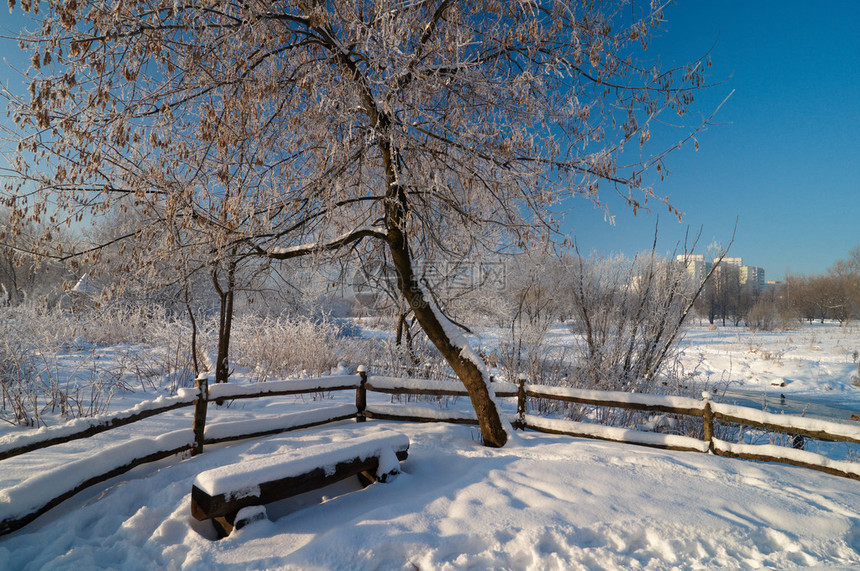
834	295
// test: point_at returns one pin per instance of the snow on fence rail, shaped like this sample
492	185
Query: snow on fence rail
633	401
15	444
24	502
258	427
795	457
706	409
419	414
709	411
809	427
17	506
616	434
280	388
393	385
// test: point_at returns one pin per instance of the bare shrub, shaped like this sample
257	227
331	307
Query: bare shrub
420	360
19	399
763	316
150	350
627	314
532	302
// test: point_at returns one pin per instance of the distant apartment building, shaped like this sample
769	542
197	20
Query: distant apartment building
753	278
749	276
697	267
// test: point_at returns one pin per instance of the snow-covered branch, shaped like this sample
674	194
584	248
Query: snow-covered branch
286	253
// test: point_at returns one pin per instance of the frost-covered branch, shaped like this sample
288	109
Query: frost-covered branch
281	253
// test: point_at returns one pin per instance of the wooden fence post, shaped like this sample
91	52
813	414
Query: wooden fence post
361	395
521	403
708	421
200	405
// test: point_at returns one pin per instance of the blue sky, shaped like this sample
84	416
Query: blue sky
783	157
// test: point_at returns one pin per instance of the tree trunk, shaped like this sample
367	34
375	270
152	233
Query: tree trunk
455	351
225	324
401	324
11	279
194	360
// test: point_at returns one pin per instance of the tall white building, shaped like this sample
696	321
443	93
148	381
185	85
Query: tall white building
697	267
749	276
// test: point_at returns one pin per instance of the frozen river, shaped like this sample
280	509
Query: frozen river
774	402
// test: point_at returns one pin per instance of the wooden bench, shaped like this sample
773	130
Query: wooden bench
219	494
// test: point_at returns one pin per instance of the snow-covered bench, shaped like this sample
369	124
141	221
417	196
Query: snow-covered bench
221	493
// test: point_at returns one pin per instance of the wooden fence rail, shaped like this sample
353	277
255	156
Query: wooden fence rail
14	445
11	521
202	434
84	428
145	450
708	411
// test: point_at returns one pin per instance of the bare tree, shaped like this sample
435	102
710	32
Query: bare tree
628	313
834	295
850	265
293	128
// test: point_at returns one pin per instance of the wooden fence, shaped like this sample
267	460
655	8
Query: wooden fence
79	475
193	440
706	409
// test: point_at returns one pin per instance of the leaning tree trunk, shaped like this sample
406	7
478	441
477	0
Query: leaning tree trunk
455	351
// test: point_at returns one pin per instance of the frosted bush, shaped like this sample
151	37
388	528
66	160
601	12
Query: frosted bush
34	386
628	314
288	346
419	359
150	350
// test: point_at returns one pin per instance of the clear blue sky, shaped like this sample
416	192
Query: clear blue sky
784	156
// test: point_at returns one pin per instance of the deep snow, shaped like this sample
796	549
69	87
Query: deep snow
541	502
544	502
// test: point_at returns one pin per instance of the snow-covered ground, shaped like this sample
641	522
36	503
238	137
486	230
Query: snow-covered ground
541	502
817	362
544	502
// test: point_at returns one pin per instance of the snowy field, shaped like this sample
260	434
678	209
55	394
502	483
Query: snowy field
542	502
814	366
817	362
